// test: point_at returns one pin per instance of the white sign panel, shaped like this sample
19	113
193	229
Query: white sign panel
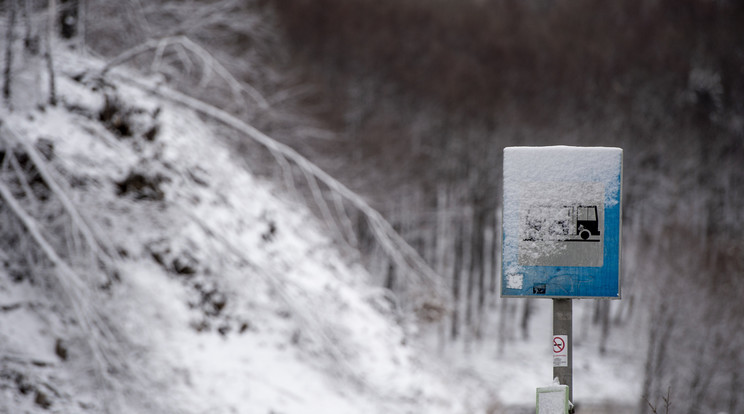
560	350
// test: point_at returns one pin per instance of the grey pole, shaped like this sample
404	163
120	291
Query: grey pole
562	325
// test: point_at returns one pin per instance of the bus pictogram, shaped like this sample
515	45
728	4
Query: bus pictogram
571	223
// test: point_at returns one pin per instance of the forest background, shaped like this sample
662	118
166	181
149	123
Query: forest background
410	103
427	94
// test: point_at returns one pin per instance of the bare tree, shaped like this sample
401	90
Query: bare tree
48	39
9	43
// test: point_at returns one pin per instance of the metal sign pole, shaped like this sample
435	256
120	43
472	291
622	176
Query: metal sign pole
562	343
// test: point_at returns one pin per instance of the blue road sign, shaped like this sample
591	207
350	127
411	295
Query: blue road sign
561	222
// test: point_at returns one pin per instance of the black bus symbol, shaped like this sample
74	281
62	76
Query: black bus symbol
562	223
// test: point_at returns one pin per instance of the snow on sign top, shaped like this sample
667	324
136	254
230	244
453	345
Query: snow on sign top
561	224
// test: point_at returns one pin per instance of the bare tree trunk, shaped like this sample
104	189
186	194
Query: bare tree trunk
664	324
661	352
469	276
735	390
7	72
69	14
495	252
704	373
489	265
48	54
648	376
526	314
30	42
83	24
649	371
441	253
442	234
597	311
604	307
504	316
456	278
479	236
626	310
482	290
390	277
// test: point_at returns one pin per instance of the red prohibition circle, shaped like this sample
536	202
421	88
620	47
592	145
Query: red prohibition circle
558	344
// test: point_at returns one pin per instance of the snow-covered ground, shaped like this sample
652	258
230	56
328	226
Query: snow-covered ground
514	372
230	298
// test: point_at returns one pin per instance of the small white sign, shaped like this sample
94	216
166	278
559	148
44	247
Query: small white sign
560	350
552	400
514	281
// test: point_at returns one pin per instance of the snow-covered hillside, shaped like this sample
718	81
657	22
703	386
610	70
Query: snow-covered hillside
223	294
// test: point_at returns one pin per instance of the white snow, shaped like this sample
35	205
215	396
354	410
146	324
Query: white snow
269	318
563	164
515	369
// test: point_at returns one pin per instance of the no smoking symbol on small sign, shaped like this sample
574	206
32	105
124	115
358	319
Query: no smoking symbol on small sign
560	350
558	344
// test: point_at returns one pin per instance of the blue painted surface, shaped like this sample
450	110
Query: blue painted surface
565	281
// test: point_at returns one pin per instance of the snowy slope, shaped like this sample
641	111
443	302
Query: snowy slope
228	296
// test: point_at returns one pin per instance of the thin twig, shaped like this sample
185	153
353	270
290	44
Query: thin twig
348	227
653	409
667	400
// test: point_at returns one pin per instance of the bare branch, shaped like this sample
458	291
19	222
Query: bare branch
653	409
210	64
402	254
94	241
338	203
21	177
667	400
318	196
73	286
286	170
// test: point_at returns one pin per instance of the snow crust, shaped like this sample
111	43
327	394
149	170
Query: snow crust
559	164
